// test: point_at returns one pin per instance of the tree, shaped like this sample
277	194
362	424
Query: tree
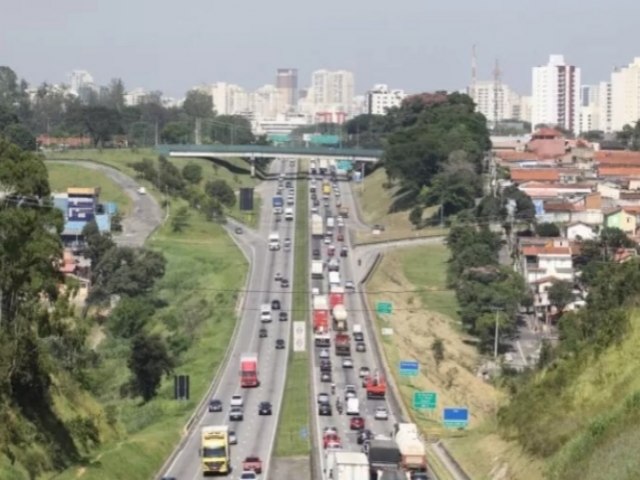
212	209
454	190
97	243
192	173
547	229
232	130
115	95
100	122
10	93
198	104
176	133
149	361
180	221
593	135
22	174
560	294
169	177
525	209
415	216
21	136
437	348
221	191
146	170
130	316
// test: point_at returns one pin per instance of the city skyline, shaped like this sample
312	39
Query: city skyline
179	49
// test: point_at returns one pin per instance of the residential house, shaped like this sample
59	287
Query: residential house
579	231
617	158
620	218
622	173
609	189
555	190
579	208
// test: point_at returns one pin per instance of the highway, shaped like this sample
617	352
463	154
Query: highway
255	434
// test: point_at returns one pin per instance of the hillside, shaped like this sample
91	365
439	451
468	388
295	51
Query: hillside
583	414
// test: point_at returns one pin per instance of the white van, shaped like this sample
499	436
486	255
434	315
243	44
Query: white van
331	223
265	313
274	241
353	406
334	278
288	214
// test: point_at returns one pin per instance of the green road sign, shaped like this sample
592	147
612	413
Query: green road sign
425	400
384	307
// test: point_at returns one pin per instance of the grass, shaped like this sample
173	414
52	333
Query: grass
201	259
122	158
62	177
295	403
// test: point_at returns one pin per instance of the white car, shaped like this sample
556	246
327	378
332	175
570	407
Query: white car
314	210
349	285
381	413
327	240
324	353
347	363
142	191
364	371
237	401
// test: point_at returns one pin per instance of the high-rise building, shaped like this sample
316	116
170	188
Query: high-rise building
331	90
380	98
556	94
287	85
604	107
228	99
495	100
264	102
79	79
625	95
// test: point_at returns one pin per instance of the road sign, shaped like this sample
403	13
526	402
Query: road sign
304	433
344	165
457	417
425	400
299	336
409	368
384	307
386	331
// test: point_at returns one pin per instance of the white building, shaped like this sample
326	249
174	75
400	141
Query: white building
79	79
625	95
580	231
278	125
136	97
331	91
228	99
380	98
264	102
604	107
556	95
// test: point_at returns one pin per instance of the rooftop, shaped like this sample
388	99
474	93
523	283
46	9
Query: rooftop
90	191
535	174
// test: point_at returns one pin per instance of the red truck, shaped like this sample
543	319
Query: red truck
249	370
321	328
336	296
343	344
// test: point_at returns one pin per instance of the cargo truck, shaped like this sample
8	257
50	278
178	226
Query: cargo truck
274	241
376	386
321	335
343	212
347	465
334	279
249	370
320	302
214	450
384	455
317	269
278	203
317	226
339	314
336	295
342	342
412	450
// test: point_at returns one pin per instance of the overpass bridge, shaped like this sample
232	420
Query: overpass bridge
251	152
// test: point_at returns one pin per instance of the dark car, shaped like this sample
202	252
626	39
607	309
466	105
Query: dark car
264	408
284	283
325	365
279	344
215	405
283	316
344	251
419	476
361	347
358	336
316	203
262	333
364	435
288	184
275	304
316	253
325	377
356	423
324	409
236	414
239	230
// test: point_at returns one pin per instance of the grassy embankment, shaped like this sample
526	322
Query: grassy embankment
295	404
418	319
121	159
384	206
199	323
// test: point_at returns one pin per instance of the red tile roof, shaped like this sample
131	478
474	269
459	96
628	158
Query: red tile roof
534	251
548	148
535	174
514	156
619	171
617	157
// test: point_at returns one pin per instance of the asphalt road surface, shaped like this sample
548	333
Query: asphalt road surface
256	434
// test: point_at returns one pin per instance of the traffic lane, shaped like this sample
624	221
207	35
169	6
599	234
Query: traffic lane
187	463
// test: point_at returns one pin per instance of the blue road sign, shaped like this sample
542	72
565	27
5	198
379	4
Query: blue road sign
457	417
304	433
409	368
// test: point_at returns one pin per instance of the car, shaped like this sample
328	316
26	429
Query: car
331	250
233	438
283	316
325	377
287	242
364	435
248	475
358	336
316	253
347	363
215	405
264	408
314	209
331	440
361	347
327	240
325	365
324	398
275	304
340	237
326	204
262	333
239	230
356	423
236	414
344	251
324	353
279	344
252	464
419	476
169	478
288	184
237	401
316	202
284	283
324	409
381	413
142	191
278	277
349	285
350	392
364	371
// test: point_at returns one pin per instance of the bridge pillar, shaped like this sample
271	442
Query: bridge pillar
252	161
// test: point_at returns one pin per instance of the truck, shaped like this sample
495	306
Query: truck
288	214
339	314
326	190
278	204
353	406
321	335
384	454
347	465
343	212
334	279
323	166
320	302
376	386
317	269
336	296
331	223
313	167
317	226
214	450
342	342
412	450
274	241
249	370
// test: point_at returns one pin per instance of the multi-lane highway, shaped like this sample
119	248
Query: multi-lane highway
255	433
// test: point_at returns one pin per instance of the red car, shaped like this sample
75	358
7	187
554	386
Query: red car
340	237
331	440
253	464
357	423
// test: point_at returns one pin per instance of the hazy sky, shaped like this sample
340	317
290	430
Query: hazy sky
417	45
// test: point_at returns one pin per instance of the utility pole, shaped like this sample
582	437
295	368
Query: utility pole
495	342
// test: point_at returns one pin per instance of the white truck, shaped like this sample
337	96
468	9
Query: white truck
320	302
317	269
334	278
317	226
274	241
288	214
353	406
331	223
347	465
412	450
